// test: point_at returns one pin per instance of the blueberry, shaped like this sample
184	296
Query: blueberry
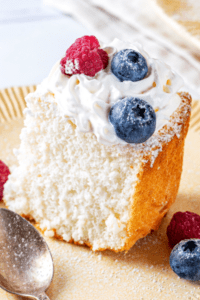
130	65
134	120
185	259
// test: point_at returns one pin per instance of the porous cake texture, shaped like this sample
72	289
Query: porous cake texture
84	176
82	191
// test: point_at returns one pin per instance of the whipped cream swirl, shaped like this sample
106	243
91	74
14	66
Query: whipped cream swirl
87	100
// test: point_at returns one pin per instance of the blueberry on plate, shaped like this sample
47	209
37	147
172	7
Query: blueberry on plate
129	64
185	259
134	119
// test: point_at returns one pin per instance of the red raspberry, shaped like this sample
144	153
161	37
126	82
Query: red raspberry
4	172
104	57
86	41
84	57
183	225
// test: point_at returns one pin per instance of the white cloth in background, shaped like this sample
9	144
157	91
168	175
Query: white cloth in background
138	20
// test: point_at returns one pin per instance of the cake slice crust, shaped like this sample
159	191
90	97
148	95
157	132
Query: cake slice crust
158	186
126	205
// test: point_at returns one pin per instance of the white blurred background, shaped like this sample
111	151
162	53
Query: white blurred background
32	38
34	34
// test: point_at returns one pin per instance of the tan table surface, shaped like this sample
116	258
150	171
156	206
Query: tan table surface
142	273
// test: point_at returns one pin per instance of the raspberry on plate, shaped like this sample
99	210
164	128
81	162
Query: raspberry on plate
133	119
4	172
183	225
84	57
185	259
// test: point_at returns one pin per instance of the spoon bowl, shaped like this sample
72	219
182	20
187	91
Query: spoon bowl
26	265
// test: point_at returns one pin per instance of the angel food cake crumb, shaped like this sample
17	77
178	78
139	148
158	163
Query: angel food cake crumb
62	163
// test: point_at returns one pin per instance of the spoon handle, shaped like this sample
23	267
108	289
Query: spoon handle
42	296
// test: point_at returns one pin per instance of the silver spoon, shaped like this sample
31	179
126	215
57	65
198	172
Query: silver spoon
26	265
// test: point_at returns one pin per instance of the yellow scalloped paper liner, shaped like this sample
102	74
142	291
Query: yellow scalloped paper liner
142	273
12	102
195	117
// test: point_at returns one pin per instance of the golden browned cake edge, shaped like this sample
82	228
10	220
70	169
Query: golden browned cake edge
158	186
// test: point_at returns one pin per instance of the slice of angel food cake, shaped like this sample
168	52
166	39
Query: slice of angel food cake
101	151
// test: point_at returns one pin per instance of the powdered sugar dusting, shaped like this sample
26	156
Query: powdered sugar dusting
151	148
142	273
71	66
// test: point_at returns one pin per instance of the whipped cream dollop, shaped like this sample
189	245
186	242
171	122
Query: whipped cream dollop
87	100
